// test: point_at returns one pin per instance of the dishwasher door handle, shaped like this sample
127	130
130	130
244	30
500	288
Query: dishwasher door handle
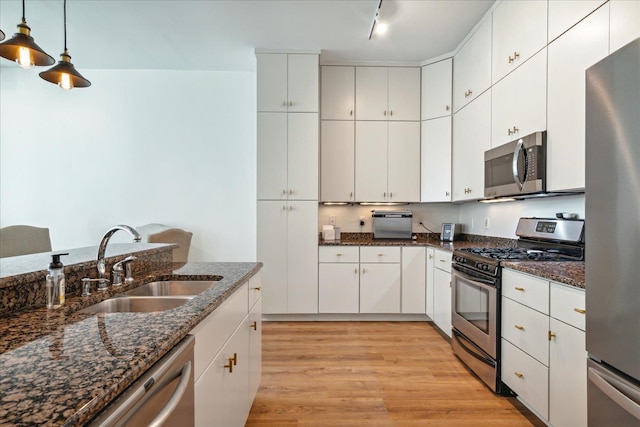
176	397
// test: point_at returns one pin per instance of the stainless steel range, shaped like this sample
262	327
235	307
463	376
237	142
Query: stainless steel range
476	276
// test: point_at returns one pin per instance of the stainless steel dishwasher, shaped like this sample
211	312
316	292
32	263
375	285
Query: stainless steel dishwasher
162	396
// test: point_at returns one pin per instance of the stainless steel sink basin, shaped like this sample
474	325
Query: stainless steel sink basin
172	288
134	304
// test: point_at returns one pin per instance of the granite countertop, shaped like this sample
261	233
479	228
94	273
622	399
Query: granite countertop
566	272
62	367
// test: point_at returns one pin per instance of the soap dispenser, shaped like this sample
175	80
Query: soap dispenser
55	282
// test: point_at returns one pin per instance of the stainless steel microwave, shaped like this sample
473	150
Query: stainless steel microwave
517	168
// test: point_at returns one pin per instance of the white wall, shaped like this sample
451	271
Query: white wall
503	217
348	217
172	147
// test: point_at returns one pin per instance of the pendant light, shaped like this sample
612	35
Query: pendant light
64	73
22	49
2	35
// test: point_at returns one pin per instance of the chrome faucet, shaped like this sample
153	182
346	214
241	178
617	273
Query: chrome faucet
105	240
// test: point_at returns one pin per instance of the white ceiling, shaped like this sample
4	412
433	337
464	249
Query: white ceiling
221	35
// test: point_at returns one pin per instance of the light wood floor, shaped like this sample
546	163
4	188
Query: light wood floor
371	374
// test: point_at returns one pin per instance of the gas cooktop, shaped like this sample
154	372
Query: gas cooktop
519	254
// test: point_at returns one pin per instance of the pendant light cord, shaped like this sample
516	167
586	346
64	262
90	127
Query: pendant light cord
65	24
23	20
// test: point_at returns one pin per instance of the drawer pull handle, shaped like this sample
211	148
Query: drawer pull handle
254	325
442	260
519	289
551	335
580	310
338	254
258	288
518	327
234	359
380	254
230	365
518	374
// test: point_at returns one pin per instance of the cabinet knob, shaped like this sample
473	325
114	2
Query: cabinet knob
290	103
391	195
518	374
284	103
519	327
519	289
551	335
364	270
284	191
355	271
284	208
580	310
391	113
351	113
290	208
351	194
254	326
385	113
384	195
290	191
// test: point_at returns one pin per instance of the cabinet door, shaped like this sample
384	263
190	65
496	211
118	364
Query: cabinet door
403	173
338	92
413	280
379	288
472	67
567	376
435	165
272	156
272	252
222	396
371	161
471	138
519	31
339	288
564	14
569	57
255	349
371	93
302	160
303	82
404	93
625	23
271	82
437	80
512	118
442	300
302	257
430	282
337	162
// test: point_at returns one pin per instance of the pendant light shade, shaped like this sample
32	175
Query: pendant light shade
64	73
22	49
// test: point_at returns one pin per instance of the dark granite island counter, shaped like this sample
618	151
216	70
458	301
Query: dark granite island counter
61	367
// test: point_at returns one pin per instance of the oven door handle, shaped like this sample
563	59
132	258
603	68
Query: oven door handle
481	281
462	340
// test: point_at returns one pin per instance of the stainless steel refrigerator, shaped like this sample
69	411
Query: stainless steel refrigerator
613	238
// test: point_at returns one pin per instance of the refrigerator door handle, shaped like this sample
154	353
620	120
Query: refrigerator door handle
626	397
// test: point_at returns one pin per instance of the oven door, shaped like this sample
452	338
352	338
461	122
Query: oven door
474	308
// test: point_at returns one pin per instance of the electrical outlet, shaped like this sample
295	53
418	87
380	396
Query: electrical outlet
332	220
361	221
486	223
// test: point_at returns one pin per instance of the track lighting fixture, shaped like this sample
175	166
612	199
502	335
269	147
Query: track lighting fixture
64	73
377	24
22	49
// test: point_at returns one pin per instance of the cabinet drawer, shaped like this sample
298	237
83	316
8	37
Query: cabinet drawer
568	305
216	328
526	289
443	260
527	377
527	329
379	254
339	254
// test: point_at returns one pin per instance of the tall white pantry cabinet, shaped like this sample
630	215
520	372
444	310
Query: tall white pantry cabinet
287	187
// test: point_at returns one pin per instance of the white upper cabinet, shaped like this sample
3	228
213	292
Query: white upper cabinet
519	31
569	56
435	165
272	156
472	67
287	82
519	101
564	14
337	161
471	138
625	22
338	92
437	80
384	93
371	161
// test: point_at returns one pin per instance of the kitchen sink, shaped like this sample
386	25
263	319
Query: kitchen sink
137	304
172	288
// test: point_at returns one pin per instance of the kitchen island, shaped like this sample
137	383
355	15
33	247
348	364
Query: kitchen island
62	367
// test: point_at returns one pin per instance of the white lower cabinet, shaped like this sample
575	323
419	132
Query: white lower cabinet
228	359
544	358
379	279
442	291
413	280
